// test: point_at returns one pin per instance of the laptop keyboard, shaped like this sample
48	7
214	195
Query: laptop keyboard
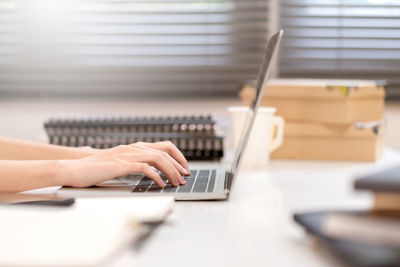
199	181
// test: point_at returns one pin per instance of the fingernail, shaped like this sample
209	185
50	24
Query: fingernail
163	185
185	171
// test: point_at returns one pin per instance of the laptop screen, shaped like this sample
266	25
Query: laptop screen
263	75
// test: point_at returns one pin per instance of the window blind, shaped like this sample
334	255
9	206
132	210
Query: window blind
100	46
356	39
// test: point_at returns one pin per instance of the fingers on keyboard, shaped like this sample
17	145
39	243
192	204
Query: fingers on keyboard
196	182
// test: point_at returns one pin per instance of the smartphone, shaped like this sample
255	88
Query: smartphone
35	199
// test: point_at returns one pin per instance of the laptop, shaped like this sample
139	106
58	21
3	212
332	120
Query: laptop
207	183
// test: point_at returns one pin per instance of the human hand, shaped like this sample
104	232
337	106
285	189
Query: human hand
121	160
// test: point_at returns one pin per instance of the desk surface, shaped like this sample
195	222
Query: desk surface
253	228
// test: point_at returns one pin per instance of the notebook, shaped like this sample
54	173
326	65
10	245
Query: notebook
385	185
387	180
89	233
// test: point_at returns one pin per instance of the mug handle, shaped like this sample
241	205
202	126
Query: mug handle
278	124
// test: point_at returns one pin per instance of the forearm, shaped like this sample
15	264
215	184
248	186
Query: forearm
102	165
22	175
11	149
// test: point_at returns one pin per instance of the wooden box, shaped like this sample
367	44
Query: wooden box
316	141
324	101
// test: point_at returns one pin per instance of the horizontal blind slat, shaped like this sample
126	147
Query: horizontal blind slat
130	45
341	39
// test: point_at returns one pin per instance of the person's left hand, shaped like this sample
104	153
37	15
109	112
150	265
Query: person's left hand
104	164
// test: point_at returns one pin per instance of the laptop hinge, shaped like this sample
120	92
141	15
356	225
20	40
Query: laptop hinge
228	180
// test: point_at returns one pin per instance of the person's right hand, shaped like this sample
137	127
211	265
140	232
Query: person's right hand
106	164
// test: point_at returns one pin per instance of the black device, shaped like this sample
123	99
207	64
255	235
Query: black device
352	251
35	199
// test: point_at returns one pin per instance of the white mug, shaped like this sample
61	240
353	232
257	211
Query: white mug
265	137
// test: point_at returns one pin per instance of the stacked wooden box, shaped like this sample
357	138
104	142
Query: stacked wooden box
327	119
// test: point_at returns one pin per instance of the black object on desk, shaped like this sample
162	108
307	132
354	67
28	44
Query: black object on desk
387	180
354	252
35	199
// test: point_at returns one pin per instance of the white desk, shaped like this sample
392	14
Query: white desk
253	228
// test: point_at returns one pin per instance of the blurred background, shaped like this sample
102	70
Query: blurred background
88	59
189	47
133	49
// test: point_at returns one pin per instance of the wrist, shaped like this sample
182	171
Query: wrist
63	173
85	151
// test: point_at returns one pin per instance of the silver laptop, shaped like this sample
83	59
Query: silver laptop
205	183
